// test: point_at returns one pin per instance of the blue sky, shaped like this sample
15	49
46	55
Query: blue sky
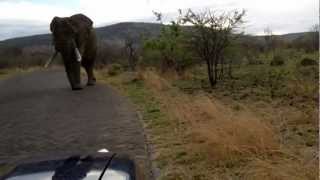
28	17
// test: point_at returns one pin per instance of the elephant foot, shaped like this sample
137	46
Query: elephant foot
91	82
77	87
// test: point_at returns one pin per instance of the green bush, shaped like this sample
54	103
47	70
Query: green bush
277	61
150	57
276	82
114	69
254	60
169	50
308	62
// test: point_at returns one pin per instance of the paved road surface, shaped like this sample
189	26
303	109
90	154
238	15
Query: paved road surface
39	115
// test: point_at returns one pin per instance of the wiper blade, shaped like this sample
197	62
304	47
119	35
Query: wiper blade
106	166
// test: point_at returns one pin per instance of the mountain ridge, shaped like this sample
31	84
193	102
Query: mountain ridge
115	33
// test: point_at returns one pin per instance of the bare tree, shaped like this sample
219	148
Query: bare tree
158	16
269	39
211	35
131	52
314	31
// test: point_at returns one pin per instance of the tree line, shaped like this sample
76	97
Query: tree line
208	37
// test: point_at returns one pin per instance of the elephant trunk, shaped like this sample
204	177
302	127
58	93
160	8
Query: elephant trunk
72	61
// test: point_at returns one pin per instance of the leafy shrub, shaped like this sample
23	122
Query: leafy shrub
254	60
310	72
109	53
277	61
308	62
114	69
150	57
276	82
169	50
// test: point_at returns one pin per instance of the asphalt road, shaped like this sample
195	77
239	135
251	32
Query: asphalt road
39	115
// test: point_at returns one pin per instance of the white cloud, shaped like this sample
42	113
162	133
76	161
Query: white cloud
9	29
126	10
282	16
24	10
23	18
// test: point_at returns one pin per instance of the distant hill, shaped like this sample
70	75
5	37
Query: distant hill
121	31
117	33
288	37
43	39
111	33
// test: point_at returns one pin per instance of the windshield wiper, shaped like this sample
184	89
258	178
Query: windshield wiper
106	166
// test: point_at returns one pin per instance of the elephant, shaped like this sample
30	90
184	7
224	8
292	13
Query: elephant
75	39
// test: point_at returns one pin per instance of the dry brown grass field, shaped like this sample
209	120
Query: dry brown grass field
205	136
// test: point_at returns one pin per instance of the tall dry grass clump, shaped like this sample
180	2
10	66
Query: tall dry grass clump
202	137
214	128
280	169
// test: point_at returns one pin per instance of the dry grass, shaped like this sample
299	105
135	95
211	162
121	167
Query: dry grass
7	72
204	138
225	131
231	136
293	169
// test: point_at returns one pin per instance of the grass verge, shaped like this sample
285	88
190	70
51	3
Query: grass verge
5	73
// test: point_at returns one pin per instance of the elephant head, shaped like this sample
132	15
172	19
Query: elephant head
65	33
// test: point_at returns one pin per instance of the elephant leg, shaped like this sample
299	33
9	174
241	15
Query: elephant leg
76	76
89	69
73	74
69	74
91	77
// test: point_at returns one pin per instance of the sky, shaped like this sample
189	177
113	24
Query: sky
29	17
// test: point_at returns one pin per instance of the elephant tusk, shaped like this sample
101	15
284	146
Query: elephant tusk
51	59
78	55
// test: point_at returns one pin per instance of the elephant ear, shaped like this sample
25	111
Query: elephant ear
59	23
87	21
53	23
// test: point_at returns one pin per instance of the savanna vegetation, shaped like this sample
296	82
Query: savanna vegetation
216	103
